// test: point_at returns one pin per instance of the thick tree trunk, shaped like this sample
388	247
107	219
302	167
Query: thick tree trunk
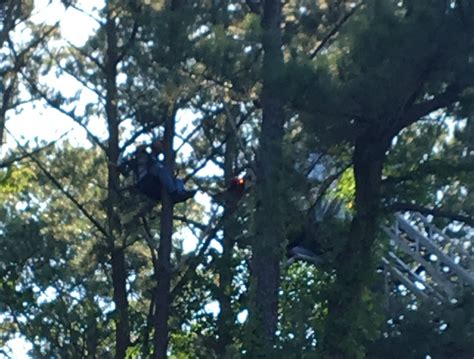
226	320
118	263
343	337
163	295
268	248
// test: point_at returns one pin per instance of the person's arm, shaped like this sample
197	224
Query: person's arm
124	165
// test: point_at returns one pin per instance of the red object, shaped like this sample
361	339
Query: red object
237	188
233	193
237	182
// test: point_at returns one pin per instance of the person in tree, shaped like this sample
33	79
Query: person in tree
150	175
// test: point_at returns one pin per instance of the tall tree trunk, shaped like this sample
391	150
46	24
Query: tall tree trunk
163	295
6	98
267	249
119	269
343	337
2	127
225	319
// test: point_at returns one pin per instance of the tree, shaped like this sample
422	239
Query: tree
267	249
422	330
376	94
295	93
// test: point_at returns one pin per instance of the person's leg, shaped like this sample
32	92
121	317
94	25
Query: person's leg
150	186
179	185
165	177
174	187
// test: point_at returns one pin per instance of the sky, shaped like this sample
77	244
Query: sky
34	122
48	124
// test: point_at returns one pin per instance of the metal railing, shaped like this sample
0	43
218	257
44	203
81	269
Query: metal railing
425	260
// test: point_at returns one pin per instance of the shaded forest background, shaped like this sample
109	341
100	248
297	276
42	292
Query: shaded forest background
339	113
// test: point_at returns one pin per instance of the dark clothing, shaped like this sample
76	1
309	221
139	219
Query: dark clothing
150	176
151	184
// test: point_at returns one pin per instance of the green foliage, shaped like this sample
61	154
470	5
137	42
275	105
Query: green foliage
15	180
443	331
303	309
55	264
345	189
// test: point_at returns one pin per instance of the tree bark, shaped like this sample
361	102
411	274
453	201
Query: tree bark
343	337
163	295
225	319
268	246
2	126
118	263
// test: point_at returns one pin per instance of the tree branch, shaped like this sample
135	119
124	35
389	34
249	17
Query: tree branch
325	186
437	212
212	153
58	185
54	104
433	167
82	82
29	154
334	31
422	109
196	224
88	56
126	47
209	233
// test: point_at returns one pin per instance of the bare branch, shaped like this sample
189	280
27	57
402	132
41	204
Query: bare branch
81	81
77	8
183	219
213	152
233	124
208	235
29	154
54	104
326	184
334	31
87	55
422	109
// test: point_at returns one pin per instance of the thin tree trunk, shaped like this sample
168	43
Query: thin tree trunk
119	269
343	337
6	99
163	295
2	127
267	249
119	277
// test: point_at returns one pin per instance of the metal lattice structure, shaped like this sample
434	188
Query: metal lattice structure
426	261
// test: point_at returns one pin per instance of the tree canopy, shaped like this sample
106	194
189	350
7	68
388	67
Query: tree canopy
350	124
